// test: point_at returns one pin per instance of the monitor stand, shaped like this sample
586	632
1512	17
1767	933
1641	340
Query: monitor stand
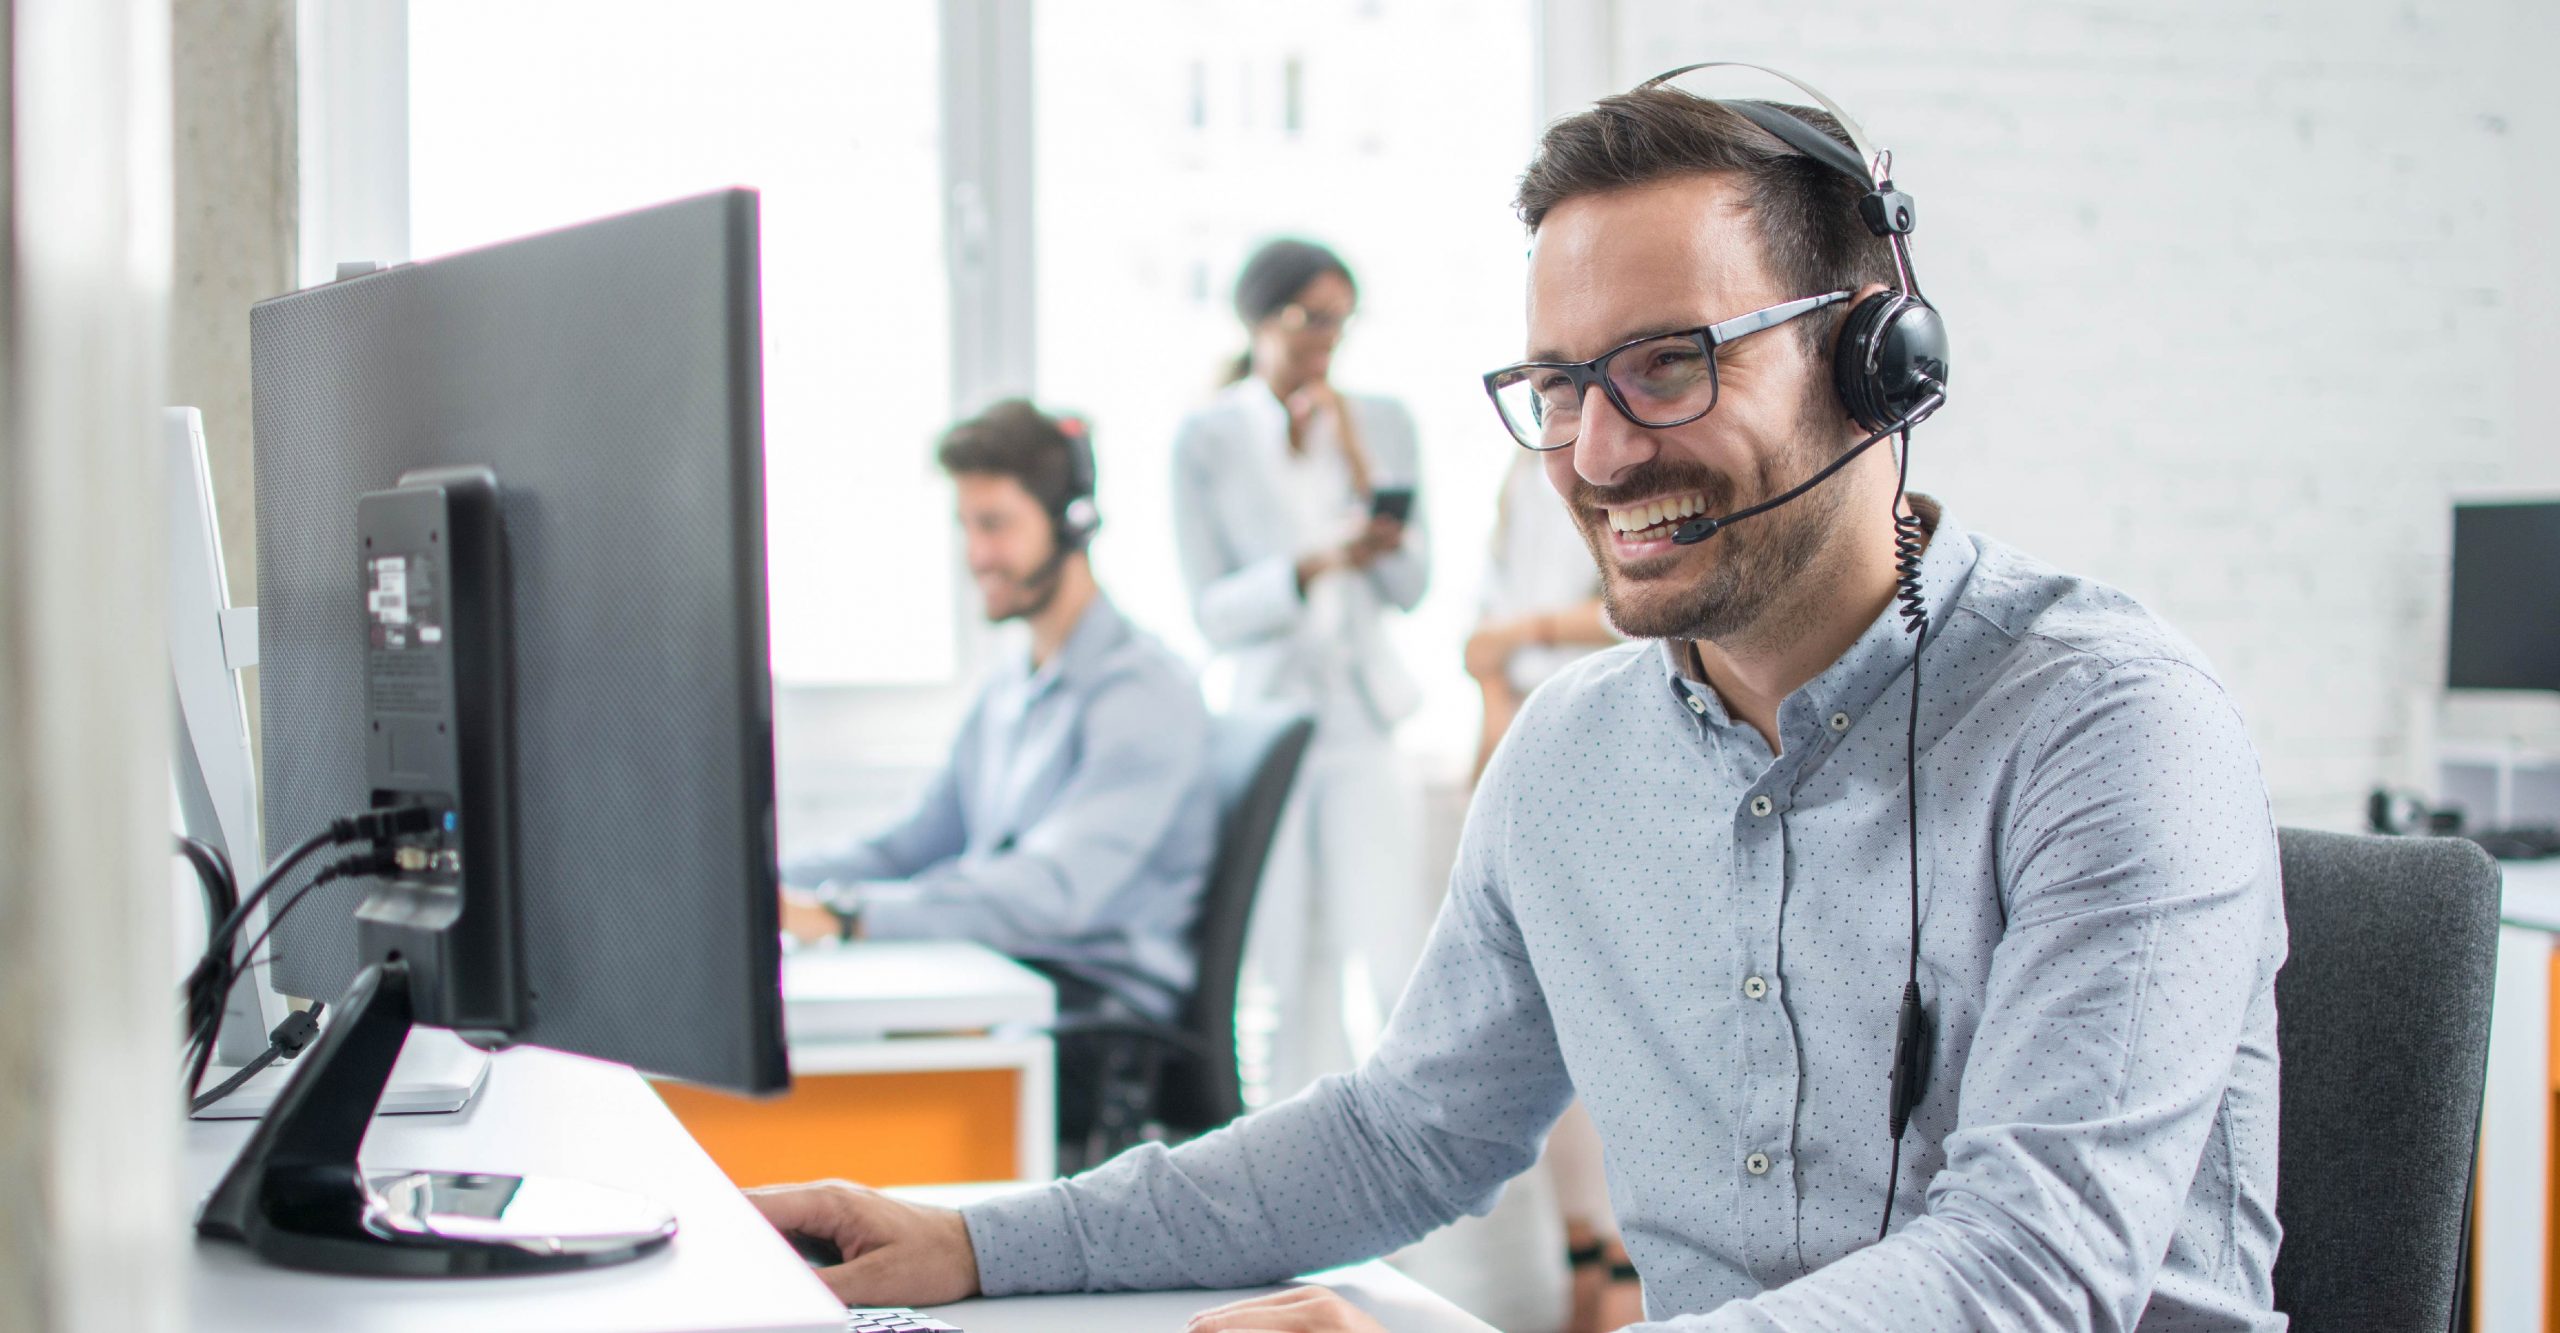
297	1196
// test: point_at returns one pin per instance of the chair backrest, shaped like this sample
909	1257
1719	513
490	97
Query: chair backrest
2382	1022
1253	758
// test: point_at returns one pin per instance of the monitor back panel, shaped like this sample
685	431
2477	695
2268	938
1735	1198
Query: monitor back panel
609	373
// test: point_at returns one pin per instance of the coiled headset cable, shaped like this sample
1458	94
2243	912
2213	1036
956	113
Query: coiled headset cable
1912	1030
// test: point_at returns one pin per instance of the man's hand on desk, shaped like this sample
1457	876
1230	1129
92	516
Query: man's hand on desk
896	1253
808	920
1297	1310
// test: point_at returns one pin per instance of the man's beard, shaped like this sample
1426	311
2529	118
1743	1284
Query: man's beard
1760	557
1033	593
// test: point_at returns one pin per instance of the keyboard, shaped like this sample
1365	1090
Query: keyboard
893	1321
2522	842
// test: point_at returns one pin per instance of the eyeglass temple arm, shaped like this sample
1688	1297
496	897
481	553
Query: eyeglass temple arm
1774	315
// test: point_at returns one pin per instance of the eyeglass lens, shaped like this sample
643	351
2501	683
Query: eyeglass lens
1658	382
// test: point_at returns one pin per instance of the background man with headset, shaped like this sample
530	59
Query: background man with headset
1698	871
1073	825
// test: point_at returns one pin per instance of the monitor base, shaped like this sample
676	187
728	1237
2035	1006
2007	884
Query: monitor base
297	1197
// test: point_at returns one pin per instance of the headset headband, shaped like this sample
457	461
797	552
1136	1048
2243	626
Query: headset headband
1872	166
1888	212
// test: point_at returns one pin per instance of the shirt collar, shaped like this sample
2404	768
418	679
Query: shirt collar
1257	400
1852	684
1099	631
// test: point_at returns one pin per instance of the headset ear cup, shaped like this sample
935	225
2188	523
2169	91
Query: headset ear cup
1077	526
1852	361
1079	518
1892	354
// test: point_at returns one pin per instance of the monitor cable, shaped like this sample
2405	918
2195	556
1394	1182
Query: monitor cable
213	874
209	983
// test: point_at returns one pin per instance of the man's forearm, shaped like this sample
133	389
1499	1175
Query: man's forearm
1314	1182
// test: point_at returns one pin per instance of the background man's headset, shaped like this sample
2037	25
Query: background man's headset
1890	367
1073	516
1076	516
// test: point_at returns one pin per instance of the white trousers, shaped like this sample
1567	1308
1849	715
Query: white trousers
1339	919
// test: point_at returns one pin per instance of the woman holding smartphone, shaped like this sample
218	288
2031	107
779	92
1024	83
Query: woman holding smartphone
1294	508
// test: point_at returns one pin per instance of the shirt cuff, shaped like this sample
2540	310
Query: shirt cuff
1267	594
1026	1243
898	910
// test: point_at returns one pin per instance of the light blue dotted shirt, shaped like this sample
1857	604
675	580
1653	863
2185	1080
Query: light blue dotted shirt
1707	942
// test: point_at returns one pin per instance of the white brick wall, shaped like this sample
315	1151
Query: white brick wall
2242	294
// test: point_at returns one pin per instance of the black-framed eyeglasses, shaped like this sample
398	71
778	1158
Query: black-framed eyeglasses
1663	380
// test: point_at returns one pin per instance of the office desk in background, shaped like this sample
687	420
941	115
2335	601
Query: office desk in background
543	1113
912	1062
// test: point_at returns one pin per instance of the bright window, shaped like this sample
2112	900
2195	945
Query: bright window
1172	139
525	117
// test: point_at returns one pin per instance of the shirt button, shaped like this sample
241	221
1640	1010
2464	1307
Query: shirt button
1697	705
1757	1164
1755	988
1761	806
1839	721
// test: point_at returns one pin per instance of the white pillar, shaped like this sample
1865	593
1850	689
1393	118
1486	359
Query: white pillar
91	1221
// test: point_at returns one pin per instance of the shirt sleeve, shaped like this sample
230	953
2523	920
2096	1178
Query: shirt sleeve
1462	1090
1237	602
936	829
1140	759
2138	863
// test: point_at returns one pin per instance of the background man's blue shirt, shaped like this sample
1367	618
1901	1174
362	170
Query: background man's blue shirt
1073	825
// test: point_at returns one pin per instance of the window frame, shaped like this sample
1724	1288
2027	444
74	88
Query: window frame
353	144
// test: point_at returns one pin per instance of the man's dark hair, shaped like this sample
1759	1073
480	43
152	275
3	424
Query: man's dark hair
1807	213
1013	439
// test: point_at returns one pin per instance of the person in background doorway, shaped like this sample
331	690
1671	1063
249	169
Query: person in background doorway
1541	605
1073	825
1294	510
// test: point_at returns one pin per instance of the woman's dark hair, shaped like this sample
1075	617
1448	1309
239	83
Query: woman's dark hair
1273	278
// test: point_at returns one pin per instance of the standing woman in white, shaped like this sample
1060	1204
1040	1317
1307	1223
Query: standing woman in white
1294	506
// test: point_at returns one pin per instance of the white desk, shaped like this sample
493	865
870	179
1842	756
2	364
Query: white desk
1397	1301
541	1113
926	1006
871	989
725	1272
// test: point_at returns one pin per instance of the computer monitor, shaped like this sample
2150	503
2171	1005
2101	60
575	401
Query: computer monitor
561	438
2505	623
210	770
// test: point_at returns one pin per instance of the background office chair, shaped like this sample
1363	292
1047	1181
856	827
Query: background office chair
1179	1079
2382	1022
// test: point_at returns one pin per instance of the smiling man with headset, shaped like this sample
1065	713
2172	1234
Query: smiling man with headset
1942	1004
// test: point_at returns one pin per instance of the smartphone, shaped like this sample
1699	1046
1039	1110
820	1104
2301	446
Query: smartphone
1395	502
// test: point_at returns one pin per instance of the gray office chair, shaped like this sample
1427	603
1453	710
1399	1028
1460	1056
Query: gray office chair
2382	1021
1183	1074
